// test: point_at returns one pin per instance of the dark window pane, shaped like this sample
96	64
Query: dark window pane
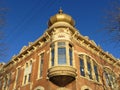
82	72
29	77
89	69
25	79
41	64
70	55
96	72
52	57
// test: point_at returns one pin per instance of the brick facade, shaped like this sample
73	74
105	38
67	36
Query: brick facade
61	59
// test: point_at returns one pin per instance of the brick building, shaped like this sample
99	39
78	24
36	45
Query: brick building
61	59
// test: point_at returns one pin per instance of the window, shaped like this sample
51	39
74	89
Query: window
25	79
96	72
59	51
89	67
29	77
18	74
110	78
52	55
61	55
41	64
27	72
82	71
70	54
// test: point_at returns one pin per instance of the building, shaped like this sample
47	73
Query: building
61	59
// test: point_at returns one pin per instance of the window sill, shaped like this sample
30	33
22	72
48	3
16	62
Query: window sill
26	84
39	78
94	81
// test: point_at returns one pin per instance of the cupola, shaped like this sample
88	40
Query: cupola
61	17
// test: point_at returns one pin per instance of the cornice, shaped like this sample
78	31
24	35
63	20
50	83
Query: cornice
81	40
28	49
96	49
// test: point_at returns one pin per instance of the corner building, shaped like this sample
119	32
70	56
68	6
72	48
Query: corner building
61	59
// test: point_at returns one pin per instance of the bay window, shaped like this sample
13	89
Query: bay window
61	54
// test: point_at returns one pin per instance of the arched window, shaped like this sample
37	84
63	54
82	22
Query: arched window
110	78
88	67
39	88
85	88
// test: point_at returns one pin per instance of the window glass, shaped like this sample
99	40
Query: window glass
89	69
96	72
29	77
52	57
25	79
41	64
110	78
61	55
70	56
82	72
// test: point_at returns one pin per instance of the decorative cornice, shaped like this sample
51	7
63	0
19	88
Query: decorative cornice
92	46
27	49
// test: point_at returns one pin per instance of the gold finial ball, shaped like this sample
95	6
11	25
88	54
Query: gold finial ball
60	11
61	17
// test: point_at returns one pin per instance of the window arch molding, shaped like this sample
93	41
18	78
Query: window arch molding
110	77
107	68
85	88
89	56
39	88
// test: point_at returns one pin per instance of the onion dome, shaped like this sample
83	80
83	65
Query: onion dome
61	17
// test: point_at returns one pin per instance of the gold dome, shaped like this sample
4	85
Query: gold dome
60	16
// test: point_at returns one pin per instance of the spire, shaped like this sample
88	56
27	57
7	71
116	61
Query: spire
60	11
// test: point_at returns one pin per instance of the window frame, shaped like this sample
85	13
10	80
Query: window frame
82	66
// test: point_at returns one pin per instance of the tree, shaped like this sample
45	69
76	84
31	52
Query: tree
112	21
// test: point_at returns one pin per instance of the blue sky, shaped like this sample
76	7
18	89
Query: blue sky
26	20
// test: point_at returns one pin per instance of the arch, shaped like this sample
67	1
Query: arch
93	59
39	88
85	88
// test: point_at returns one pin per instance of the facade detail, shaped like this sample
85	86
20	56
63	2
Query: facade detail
61	59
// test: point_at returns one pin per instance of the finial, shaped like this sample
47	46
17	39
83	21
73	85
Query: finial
60	11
